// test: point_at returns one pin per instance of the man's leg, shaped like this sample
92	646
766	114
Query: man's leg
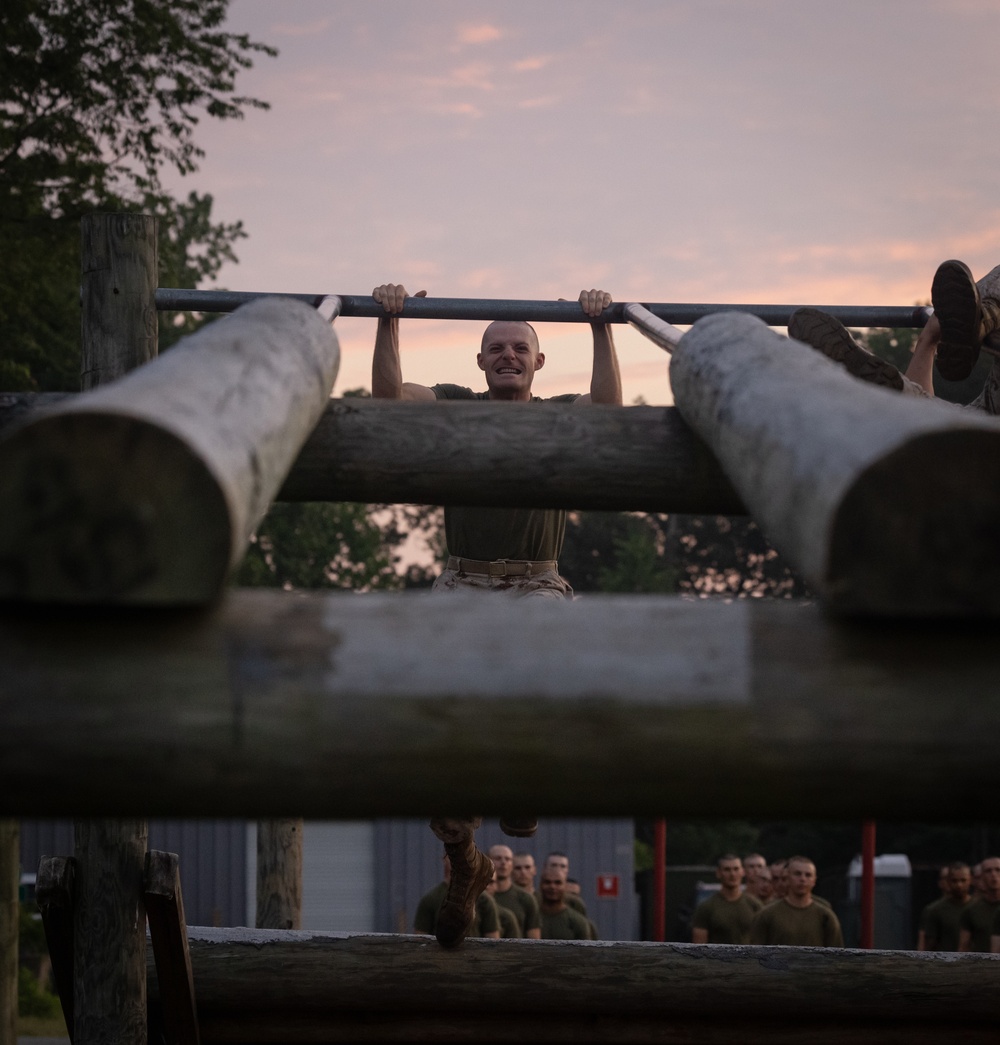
921	368
471	872
829	336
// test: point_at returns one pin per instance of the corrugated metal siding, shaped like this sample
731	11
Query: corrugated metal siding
338	880
212	861
408	863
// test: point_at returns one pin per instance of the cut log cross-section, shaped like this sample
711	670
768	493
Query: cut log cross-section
887	504
146	491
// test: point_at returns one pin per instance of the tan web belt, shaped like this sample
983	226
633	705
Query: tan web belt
501	567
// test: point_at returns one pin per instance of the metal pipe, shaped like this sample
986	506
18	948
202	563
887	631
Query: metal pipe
660	880
868	884
486	309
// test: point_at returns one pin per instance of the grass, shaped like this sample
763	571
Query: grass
42	1027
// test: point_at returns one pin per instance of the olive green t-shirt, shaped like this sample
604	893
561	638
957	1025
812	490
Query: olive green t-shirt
727	921
509	927
522	905
534	534
784	925
566	925
977	918
486	920
940	923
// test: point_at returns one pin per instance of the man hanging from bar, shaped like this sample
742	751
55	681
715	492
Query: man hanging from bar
966	313
513	551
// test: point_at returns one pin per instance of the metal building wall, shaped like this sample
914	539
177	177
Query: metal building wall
408	864
212	861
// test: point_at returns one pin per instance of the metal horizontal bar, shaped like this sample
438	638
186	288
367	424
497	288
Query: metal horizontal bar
486	309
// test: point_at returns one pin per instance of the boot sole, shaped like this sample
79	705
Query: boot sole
828	335
955	297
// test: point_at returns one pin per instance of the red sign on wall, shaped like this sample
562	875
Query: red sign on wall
607	887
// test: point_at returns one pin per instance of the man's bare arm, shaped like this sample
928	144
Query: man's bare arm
965	940
605	380
699	936
387	374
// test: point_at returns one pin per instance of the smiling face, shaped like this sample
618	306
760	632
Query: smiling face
509	357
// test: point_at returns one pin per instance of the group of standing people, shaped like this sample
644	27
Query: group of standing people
967	915
761	904
511	907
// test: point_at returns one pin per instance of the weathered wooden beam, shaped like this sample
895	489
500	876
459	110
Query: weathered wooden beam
343	705
544	455
10	866
55	892
146	491
169	943
377	451
256	986
886	504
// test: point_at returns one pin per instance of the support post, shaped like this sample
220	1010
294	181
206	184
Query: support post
279	874
887	504
55	892
10	868
168	936
868	884
118	334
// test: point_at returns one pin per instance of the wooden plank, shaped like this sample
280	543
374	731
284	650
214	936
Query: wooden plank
605	458
886	504
344	705
279	874
292	986
169	942
55	893
146	491
10	868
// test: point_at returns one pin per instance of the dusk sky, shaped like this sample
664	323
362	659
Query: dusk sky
779	151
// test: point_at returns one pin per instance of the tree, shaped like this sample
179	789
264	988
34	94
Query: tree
97	98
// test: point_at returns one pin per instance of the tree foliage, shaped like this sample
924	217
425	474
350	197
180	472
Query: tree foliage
97	100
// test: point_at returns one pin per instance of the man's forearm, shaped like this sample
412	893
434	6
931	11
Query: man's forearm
387	375
605	381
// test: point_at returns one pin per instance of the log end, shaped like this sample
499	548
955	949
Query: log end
104	509
918	533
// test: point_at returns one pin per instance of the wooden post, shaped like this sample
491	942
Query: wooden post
118	294
168	936
118	333
55	892
109	933
146	491
10	877
886	504
279	874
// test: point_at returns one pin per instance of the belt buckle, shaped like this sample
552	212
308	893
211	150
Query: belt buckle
498	568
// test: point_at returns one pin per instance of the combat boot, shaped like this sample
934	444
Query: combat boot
471	871
519	827
968	312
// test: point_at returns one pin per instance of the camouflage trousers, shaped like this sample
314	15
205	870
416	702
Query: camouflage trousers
546	585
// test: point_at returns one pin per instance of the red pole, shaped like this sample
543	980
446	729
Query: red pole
868	884
660	880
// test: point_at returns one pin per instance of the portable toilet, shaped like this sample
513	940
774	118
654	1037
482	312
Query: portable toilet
893	903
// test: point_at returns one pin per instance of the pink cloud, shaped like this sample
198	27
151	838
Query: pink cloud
478	34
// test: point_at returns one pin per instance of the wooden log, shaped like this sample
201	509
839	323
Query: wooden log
146	491
109	932
886	504
55	892
598	457
279	874
378	451
257	986
10	880
169	943
343	705
118	295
